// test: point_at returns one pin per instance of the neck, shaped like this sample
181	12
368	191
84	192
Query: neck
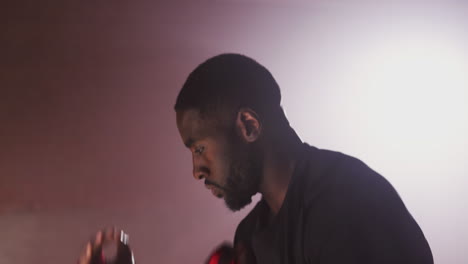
279	163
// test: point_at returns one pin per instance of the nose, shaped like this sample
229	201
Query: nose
198	174
199	169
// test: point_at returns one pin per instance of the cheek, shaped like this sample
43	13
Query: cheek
220	168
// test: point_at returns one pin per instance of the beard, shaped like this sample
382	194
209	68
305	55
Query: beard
244	174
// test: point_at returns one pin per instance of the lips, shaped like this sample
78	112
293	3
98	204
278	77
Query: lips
215	191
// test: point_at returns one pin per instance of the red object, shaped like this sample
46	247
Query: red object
215	258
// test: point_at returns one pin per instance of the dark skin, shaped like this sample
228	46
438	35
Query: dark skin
209	146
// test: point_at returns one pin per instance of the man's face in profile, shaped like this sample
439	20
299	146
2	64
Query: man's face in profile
230	167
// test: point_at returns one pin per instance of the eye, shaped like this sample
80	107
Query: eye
199	150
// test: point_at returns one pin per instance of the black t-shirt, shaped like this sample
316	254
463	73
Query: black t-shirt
336	210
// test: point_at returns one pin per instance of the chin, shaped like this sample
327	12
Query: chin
237	204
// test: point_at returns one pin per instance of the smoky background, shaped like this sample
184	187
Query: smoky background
87	129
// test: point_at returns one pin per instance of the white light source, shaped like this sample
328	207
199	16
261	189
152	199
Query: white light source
415	89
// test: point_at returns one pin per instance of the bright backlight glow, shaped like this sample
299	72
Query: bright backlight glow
414	88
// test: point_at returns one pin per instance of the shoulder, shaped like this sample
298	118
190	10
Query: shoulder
351	206
331	173
341	189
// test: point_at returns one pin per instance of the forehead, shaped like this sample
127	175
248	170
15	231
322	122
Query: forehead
189	121
192	126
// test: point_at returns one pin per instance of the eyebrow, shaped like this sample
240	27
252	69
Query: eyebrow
189	142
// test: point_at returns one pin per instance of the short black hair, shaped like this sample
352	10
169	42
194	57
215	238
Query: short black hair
228	82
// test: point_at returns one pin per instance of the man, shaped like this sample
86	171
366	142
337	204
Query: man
317	206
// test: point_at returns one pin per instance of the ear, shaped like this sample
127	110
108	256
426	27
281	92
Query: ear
248	125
